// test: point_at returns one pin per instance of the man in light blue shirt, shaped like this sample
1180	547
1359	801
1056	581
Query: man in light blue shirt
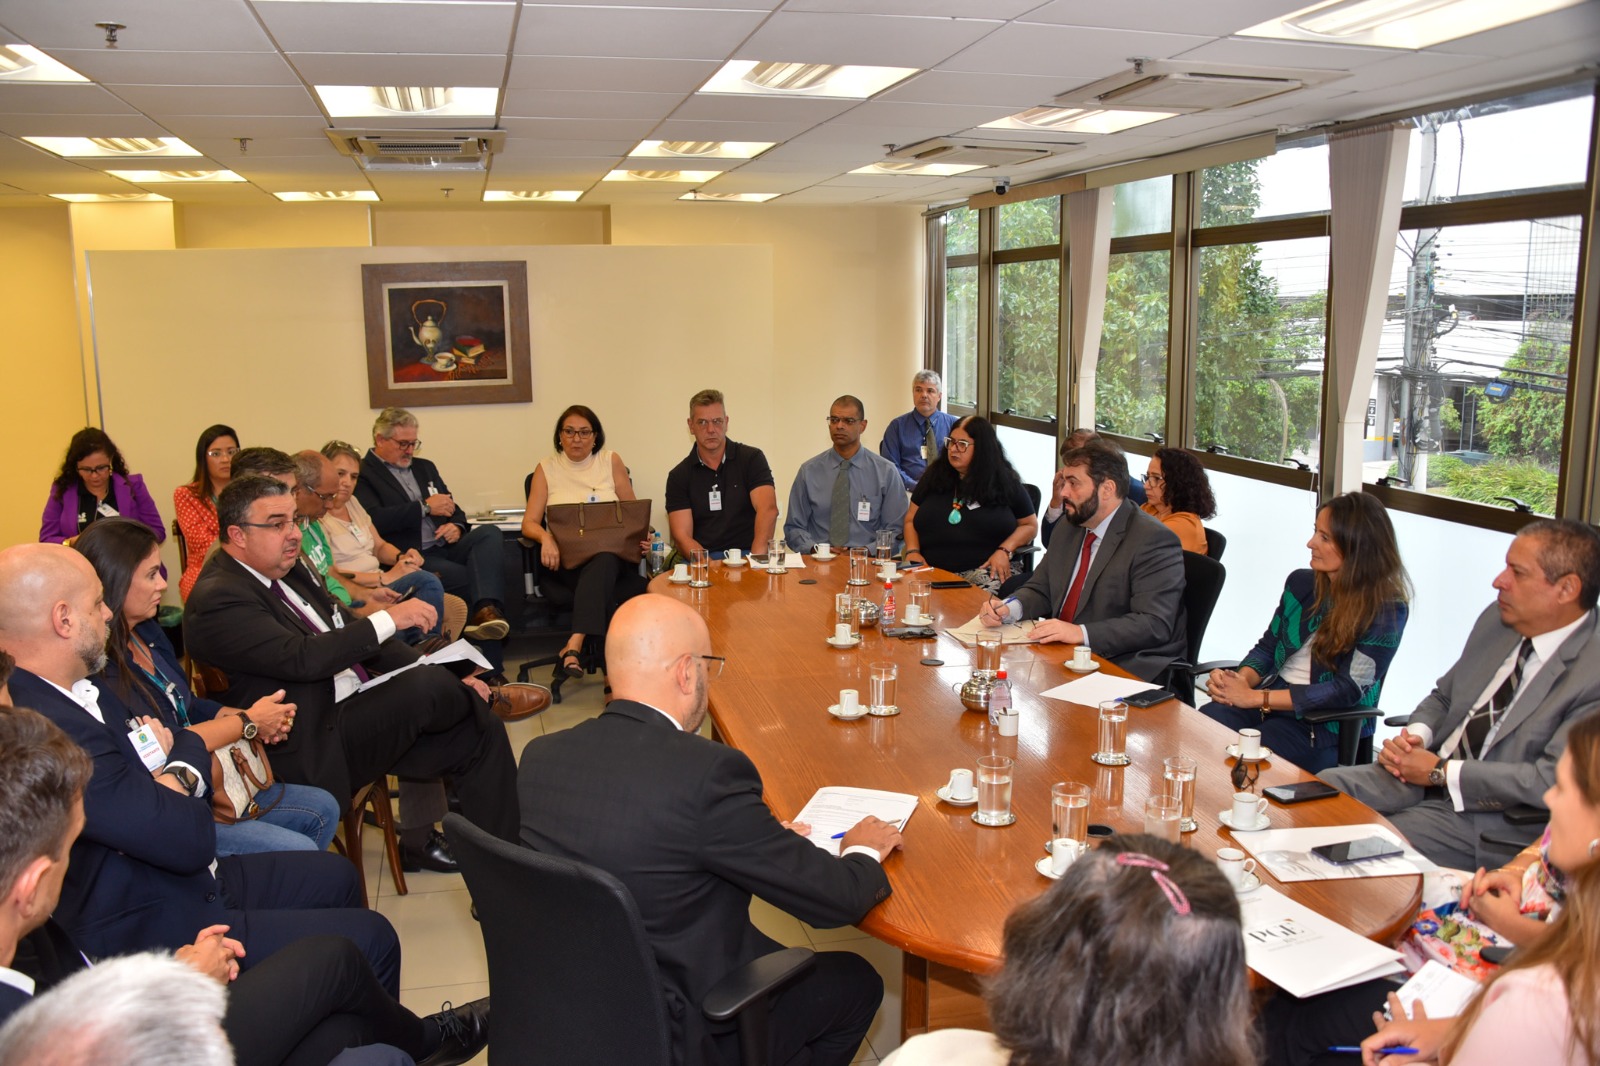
914	439
845	495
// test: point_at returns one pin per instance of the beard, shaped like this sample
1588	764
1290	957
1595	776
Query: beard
1083	513
698	715
92	652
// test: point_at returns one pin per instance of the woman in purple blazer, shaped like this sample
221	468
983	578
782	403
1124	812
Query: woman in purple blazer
94	483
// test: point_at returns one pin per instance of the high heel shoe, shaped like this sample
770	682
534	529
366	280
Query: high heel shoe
571	664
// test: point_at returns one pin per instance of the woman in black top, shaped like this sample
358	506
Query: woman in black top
970	512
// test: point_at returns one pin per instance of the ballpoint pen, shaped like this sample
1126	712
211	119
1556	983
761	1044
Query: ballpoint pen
1347	1049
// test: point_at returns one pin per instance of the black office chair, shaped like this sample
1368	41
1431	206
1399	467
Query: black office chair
1203	579
573	976
1023	559
1216	544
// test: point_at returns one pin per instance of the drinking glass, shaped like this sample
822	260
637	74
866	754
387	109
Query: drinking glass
1113	734
858	567
1069	822
994	791
884	675
885	545
699	568
1179	774
1161	817
988	655
920	599
844	613
777	556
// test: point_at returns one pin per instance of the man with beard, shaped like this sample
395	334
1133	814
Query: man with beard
1113	577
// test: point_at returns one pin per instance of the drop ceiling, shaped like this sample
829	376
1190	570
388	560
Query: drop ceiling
579	85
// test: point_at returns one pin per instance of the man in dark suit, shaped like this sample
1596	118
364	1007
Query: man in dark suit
412	508
1490	733
679	819
1113	577
145	872
311	999
269	624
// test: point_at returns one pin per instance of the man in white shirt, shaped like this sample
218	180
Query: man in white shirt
1489	735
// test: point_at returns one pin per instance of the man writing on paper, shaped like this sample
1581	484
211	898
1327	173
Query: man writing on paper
1489	735
679	819
1113	577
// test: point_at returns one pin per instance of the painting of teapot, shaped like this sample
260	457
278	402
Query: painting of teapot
427	332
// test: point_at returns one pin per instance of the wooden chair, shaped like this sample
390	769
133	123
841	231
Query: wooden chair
375	795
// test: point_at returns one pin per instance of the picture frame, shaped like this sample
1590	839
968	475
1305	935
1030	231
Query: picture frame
447	333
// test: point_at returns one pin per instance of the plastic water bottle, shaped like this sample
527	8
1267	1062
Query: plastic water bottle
999	699
888	617
658	552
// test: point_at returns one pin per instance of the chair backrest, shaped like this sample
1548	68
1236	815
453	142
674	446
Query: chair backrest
573	977
1216	544
527	485
1202	584
1033	494
183	545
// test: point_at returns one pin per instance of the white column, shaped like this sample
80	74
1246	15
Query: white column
1088	219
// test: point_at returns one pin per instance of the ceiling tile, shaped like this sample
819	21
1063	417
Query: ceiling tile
124	67
129	125
610	75
24	99
682	129
940	116
732	108
1016	92
267	147
1072	53
1216	18
575	129
157	25
968	9
543	103
624	32
437	29
1261	52
220	100
875	40
545	148
1581	22
364	68
197	127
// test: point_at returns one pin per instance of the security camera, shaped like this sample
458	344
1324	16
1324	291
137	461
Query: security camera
1002	186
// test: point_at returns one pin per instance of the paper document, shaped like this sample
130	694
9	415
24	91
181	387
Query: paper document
1091	689
459	652
1286	853
1443	992
1303	952
836	809
1011	633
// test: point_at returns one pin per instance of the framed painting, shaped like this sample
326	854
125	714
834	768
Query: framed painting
446	333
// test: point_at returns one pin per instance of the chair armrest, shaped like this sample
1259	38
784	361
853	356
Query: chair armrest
1496	953
1505	839
1026	549
1216	664
1526	814
756	979
1397	720
1339	714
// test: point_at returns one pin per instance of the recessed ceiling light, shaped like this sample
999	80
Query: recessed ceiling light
111	197
702	149
662	175
366	101
532	195
156	177
91	147
328	196
730	197
907	166
24	62
1408	24
1076	120
760	78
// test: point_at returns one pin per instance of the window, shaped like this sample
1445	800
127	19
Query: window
1293	182
1027	279
1029	223
961	307
1140	207
1130	389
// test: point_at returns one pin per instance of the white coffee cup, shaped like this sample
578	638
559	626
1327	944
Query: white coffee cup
680	572
1009	722
914	616
822	551
1248	810
1249	743
960	786
849	701
841	633
1235	867
1081	657
1063	853
886	572
733	555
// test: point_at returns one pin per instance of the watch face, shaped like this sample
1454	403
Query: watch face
250	730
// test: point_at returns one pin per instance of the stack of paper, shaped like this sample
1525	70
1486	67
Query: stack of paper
1286	853
1012	633
1092	689
1304	953
836	809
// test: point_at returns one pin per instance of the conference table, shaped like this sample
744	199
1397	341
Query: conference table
955	881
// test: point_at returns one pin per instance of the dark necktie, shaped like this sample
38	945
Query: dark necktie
839	517
1069	606
928	445
283	594
1484	719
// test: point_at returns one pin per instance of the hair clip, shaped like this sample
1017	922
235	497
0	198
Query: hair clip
1157	868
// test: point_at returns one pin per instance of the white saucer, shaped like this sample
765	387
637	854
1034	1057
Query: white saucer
1250	883
920	623
1044	867
1226	818
878	579
943	792
833	709
852	642
1233	753
1091	668
680	581
825	558
741	561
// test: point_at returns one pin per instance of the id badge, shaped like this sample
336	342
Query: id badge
594	498
926	453
105	509
716	499
338	618
864	511
145	743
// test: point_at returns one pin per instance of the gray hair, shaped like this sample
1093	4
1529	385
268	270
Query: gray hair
391	419
1568	546
706	398
109	1015
335	448
927	377
308	469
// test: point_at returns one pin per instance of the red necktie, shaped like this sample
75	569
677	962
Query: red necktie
1069	606
282	594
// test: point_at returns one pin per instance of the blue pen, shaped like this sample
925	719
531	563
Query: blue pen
836	836
1347	1050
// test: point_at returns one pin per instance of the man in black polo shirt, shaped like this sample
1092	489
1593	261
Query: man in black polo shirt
722	495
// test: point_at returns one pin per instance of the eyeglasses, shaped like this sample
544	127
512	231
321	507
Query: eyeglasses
277	527
1158	873
580	434
960	445
95	471
221	453
710	423
832	421
1245	775
325	497
406	445
1154	479
714	666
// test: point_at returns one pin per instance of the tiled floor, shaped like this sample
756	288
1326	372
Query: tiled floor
444	957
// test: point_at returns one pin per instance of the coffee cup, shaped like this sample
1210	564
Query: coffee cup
1063	853
680	572
823	550
849	701
1009	722
1234	866
1248	810
1249	743
733	555
1081	657
914	615
841	633
960	786
886	572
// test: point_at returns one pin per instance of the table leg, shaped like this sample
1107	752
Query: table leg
936	996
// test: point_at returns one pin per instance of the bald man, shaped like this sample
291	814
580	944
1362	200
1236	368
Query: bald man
679	819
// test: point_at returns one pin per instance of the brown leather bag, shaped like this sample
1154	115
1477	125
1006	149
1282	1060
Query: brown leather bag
239	772
584	530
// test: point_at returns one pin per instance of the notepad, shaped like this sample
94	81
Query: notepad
1303	952
1093	689
1010	633
836	809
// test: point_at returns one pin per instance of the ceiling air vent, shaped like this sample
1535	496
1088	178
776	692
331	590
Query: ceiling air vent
419	150
1190	87
974	153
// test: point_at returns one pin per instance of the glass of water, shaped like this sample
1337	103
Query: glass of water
700	568
858	567
1179	774
994	791
1113	734
884	676
1161	817
1069	823
777	556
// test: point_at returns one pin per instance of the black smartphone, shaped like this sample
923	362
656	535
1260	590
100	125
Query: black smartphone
950	584
1358	850
1148	698
407	594
1300	791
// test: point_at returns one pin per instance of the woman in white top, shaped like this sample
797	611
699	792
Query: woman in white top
582	470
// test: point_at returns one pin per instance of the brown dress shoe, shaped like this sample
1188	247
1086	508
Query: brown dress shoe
429	645
516	700
487	624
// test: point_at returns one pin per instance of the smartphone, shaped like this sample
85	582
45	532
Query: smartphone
1148	698
407	594
1300	791
950	584
1358	850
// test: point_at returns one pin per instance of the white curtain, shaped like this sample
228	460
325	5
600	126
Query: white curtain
1089	252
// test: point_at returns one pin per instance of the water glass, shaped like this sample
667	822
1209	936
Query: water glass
1161	817
885	545
994	791
1179	774
1113	734
1069	823
919	603
700	568
858	567
884	676
844	613
777	556
988	653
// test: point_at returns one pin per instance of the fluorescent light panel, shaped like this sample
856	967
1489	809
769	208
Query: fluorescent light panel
531	196
746	76
99	147
363	101
328	196
662	175
701	149
112	197
730	197
1407	24
24	62
1076	120
901	168
157	177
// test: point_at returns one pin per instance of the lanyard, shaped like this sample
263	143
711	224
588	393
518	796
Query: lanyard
168	687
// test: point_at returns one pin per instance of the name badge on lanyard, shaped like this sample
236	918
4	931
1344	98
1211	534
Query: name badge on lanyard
106	510
927	452
715	499
864	510
338	617
145	743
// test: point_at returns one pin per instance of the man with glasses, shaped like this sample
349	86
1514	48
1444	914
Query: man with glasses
915	438
679	819
722	494
845	495
411	505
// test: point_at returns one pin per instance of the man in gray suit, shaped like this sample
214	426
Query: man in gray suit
1113	577
1489	735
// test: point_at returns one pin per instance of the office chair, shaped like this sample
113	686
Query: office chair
575	977
1024	557
1203	579
1216	544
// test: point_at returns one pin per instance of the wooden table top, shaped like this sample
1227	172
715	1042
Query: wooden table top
955	881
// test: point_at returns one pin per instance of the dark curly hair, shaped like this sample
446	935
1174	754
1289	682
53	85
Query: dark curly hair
1184	484
83	444
991	479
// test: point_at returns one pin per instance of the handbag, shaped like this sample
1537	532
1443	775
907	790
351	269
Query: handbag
584	530
239	771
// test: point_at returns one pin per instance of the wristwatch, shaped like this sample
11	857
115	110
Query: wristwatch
185	777
250	728
1436	775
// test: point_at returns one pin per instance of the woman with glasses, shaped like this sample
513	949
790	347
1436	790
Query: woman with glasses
1178	493
582	470
94	483
969	511
196	502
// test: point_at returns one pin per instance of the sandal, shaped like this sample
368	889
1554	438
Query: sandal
571	664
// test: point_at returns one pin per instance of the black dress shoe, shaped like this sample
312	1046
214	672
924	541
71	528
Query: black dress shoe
464	1031
434	855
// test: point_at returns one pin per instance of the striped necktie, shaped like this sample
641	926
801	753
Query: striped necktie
1484	720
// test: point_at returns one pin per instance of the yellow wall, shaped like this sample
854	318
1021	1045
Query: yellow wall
274	226
491	225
